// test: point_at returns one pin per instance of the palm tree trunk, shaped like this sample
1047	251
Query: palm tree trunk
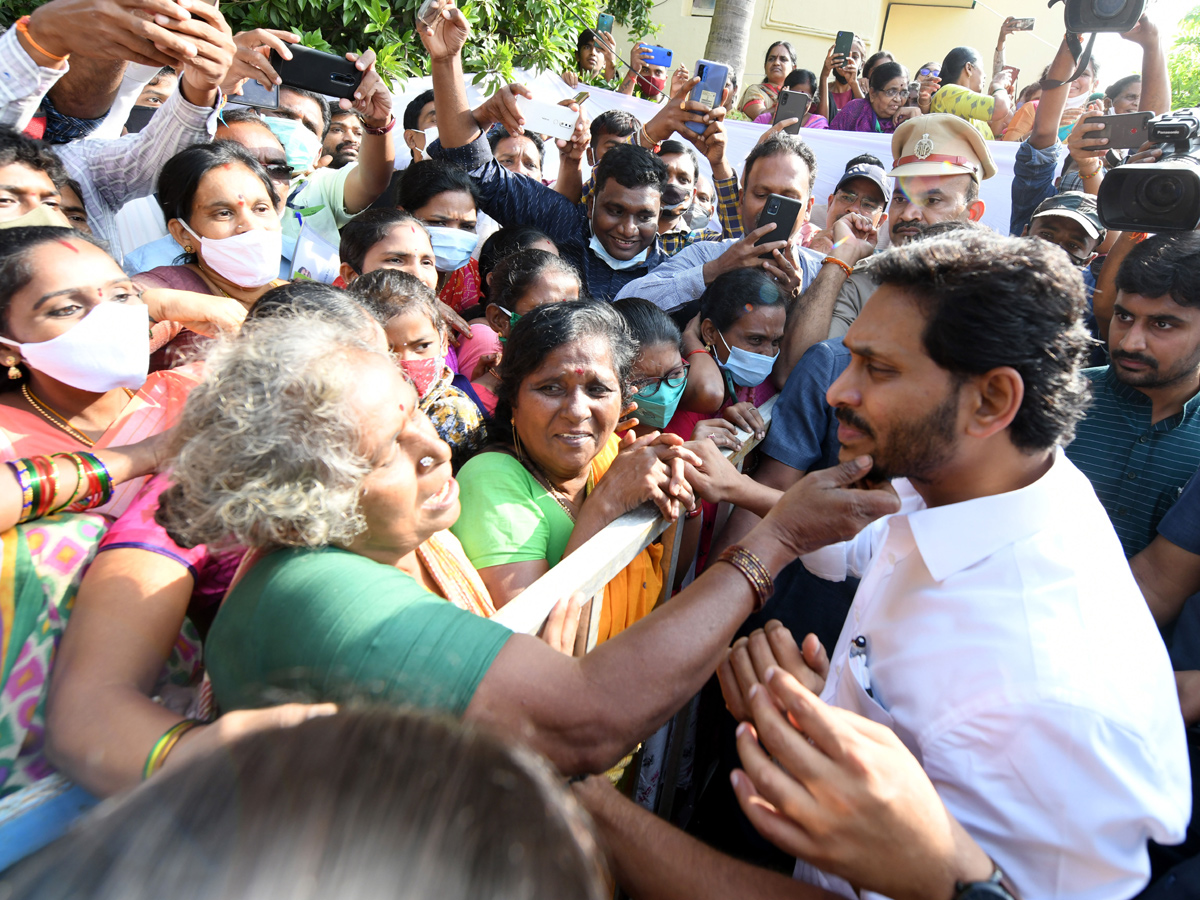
728	36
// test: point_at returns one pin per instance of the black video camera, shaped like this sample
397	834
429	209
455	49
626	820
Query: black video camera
1090	16
1158	196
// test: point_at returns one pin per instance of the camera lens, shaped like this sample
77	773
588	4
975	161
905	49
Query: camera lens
1160	193
1106	9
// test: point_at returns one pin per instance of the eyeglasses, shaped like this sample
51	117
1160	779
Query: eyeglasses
866	204
673	379
930	72
893	93
279	172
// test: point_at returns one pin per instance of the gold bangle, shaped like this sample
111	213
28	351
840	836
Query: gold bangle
754	571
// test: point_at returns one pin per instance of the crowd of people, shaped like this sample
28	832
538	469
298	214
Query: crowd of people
287	419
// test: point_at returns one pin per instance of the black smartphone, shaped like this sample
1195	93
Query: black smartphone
792	105
783	211
254	94
321	73
1124	132
844	43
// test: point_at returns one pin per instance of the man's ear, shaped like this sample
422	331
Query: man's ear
975	211
997	396
1025	231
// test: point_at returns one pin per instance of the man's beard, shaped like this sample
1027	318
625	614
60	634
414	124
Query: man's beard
342	157
914	450
1151	377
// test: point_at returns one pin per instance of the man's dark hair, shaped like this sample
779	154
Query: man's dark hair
337	112
670	148
426	179
412	112
614	121
367	229
1165	264
782	143
631	167
587	36
17	148
499	133
993	301
235	115
864	159
326	115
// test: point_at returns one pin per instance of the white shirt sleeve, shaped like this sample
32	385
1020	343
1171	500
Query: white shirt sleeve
23	83
678	280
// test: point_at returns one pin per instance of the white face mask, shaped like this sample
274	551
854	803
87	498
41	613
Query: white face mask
611	261
452	247
248	260
108	349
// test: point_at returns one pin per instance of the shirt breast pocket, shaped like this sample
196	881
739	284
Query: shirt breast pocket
853	692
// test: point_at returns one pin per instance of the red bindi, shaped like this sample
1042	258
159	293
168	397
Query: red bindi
579	371
70	246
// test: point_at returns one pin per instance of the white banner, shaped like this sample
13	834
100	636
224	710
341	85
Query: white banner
832	148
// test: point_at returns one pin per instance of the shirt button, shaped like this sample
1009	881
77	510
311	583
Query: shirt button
1121	511
1132	476
1142	439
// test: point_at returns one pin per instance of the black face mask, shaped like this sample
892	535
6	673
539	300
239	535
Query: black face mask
674	196
139	118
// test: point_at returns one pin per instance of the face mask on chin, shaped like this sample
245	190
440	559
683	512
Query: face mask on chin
108	348
611	261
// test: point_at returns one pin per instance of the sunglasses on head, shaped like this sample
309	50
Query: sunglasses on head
279	171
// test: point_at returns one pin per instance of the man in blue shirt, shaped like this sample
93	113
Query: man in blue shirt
1140	441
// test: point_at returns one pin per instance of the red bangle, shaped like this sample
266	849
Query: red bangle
833	259
383	130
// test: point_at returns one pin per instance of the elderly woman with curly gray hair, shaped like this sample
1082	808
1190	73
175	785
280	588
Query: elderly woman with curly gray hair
305	444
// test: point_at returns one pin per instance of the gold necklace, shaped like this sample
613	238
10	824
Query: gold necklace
555	492
58	421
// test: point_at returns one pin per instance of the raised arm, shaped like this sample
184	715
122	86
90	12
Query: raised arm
377	155
1054	101
1156	79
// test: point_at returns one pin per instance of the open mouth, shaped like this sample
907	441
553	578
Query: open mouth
574	438
444	498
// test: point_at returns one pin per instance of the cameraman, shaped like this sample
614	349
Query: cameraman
1038	156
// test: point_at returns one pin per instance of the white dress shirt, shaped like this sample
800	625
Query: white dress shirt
1006	643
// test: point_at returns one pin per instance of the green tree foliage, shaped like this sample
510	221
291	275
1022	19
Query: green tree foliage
508	34
1184	63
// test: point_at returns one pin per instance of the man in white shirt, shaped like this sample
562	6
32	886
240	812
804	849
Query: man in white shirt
997	631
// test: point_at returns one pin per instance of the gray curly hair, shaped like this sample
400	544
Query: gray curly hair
267	451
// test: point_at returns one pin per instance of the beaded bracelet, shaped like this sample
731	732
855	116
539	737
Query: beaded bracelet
165	744
756	573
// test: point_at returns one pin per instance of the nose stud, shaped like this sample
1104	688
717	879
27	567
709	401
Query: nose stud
425	462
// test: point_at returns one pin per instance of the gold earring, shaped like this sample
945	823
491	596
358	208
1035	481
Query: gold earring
516	439
187	248
13	372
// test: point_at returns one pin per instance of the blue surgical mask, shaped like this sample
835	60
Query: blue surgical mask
657	408
452	247
746	368
300	144
611	261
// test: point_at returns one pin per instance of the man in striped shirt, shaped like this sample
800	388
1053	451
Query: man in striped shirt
1140	442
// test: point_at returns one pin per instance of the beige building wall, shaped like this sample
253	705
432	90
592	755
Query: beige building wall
915	32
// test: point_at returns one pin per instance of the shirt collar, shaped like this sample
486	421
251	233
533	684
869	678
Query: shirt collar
959	535
1123	391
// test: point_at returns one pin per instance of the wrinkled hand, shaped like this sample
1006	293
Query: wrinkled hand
212	37
142	31
721	433
823	508
904	113
372	100
746	417
772	646
843	793
649	468
201	313
444	39
716	479
252	58
562	625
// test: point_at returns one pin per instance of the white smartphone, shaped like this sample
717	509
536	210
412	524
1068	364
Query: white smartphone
548	118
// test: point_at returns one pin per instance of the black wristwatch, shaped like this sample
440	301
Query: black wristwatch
998	887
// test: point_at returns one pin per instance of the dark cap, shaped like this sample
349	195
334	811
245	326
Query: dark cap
874	174
1074	205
